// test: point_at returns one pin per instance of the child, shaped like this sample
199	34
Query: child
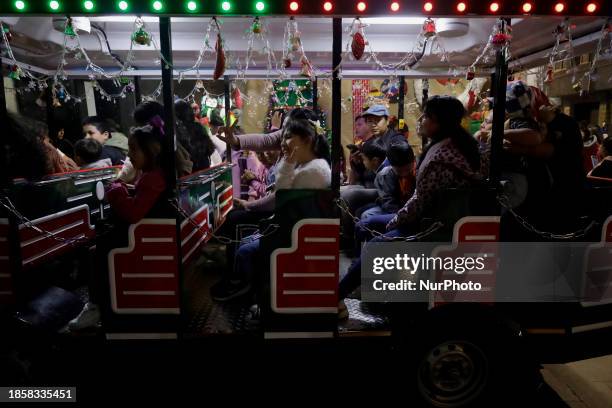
262	177
95	127
304	165
147	155
87	155
603	170
373	157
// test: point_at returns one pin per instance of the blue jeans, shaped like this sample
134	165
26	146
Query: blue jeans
352	279
376	223
246	259
371	212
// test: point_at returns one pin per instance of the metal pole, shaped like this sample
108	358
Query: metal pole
4	180
137	91
315	94
499	111
400	98
336	105
228	104
424	140
165	35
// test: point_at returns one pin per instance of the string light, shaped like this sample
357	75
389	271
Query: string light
328	6
157	5
591	7
559	7
192	6
123	5
226	6
527	7
54	5
394	6
294	6
19	5
89	5
461	7
428	7
361	6
494	7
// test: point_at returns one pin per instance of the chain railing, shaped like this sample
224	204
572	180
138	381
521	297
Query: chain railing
505	203
344	207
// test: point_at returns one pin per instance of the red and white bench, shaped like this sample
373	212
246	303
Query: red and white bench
470	230
597	282
144	276
304	277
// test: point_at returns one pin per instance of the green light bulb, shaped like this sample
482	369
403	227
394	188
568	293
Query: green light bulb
88	5
19	5
123	5
54	5
226	5
192	5
260	6
157	5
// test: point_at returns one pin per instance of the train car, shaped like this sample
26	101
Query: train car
155	277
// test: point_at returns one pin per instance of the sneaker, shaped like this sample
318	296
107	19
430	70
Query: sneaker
343	312
89	317
255	312
224	291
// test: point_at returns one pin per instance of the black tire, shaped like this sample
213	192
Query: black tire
455	362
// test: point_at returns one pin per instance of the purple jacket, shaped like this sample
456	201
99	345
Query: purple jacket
443	167
261	142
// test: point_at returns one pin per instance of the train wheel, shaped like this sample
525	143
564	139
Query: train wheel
453	373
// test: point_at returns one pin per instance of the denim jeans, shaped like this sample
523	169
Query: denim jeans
244	268
352	279
376	223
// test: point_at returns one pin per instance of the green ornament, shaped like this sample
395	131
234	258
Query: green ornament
141	36
69	30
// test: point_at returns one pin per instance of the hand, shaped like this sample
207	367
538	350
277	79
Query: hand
248	176
239	204
276	120
290	155
229	137
483	136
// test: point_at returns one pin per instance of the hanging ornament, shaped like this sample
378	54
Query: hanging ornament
256	27
56	103
237	97
287	62
429	28
359	42
7	33
69	29
577	86
141	36
306	67
295	41
471	100
15	73
549	75
220	64
199	84
470	74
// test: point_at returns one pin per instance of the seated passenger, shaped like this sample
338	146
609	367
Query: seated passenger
262	179
450	160
25	154
373	156
590	147
88	155
304	165
117	139
603	170
97	128
192	136
395	184
147	154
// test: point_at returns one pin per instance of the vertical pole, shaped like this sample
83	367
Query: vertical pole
315	94
499	111
424	140
165	35
50	117
400	98
336	105
4	181
137	90
228	104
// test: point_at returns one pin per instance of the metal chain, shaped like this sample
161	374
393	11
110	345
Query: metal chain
269	230
8	204
505	203
344	207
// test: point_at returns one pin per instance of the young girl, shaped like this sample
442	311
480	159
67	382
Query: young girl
304	165
147	154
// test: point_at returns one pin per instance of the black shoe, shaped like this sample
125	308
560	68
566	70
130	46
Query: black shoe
223	291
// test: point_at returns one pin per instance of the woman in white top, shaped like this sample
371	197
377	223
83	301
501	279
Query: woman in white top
304	166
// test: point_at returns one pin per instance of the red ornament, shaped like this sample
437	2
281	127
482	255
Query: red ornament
237	96
469	75
471	100
287	62
358	45
500	39
220	63
429	28
549	75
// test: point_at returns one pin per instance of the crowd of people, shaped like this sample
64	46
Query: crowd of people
547	156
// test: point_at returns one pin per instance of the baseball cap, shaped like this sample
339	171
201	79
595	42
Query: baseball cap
377	110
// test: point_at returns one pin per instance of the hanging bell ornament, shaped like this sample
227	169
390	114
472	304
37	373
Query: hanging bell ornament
295	42
358	45
469	75
287	62
577	87
69	30
429	28
549	75
56	103
141	37
7	33
256	27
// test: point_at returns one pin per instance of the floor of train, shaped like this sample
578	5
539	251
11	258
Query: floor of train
203	316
